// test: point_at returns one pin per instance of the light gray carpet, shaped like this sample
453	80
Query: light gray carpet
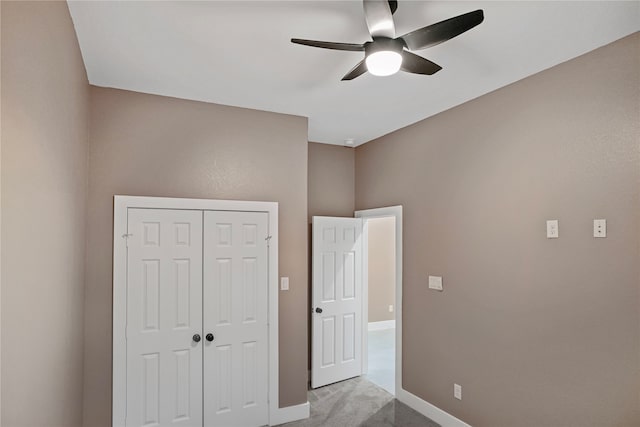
358	403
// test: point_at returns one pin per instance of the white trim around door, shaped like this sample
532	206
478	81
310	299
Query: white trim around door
391	211
277	415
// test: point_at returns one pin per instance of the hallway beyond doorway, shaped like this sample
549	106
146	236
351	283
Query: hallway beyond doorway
382	359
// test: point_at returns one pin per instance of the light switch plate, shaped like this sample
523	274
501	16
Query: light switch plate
435	282
284	283
599	228
552	229
457	391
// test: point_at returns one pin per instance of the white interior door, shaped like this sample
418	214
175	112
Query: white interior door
164	312
235	306
336	352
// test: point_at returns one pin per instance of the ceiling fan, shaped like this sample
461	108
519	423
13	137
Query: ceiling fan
387	54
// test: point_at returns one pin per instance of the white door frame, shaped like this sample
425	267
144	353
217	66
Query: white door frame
120	206
365	214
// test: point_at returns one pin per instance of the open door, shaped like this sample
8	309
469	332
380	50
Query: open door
336	348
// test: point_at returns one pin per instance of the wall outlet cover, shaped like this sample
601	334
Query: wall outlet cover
599	228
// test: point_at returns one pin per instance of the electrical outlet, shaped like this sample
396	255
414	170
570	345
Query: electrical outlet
391	309
599	228
457	391
552	229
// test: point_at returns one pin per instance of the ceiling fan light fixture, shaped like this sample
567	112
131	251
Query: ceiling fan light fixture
384	63
383	57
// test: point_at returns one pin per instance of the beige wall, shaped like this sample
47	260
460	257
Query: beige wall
382	268
45	102
538	332
157	146
331	180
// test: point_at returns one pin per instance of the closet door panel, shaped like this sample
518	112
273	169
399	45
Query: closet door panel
164	312
235	301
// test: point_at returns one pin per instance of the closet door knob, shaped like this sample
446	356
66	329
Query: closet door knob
209	337
196	338
318	310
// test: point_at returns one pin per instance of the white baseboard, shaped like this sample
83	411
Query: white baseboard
385	324
443	418
289	413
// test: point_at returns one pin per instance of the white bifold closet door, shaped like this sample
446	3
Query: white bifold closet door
235	306
164	312
197	333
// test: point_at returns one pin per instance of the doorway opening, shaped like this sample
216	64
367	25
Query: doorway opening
381	286
382	289
340	299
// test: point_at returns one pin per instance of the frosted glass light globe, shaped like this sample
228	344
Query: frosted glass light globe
384	63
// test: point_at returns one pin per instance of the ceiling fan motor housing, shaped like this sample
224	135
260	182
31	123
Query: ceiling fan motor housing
380	44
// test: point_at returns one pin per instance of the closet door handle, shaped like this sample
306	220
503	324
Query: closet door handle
318	310
196	338
209	337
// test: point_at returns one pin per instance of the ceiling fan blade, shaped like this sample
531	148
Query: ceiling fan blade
415	64
356	71
442	31
353	47
379	18
393	5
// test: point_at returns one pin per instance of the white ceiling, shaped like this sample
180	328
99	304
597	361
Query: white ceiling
238	53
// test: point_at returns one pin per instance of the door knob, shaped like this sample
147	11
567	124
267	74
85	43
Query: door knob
209	337
196	338
318	310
